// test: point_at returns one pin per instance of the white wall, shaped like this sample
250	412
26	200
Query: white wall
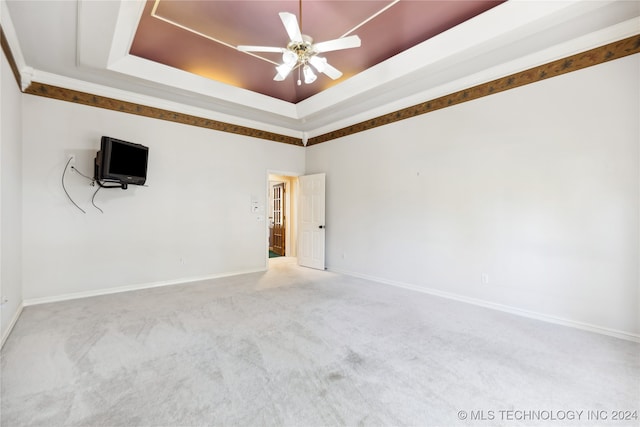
191	222
537	187
11	197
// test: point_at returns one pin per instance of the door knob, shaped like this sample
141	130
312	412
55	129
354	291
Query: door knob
322	226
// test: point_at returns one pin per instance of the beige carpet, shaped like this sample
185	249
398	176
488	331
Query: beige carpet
298	347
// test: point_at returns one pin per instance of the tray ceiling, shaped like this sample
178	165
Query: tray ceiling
413	52
200	36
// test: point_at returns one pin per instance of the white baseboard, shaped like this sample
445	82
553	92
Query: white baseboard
128	288
500	307
11	325
469	300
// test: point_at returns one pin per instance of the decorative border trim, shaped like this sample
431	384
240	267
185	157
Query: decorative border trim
69	95
599	55
12	62
629	336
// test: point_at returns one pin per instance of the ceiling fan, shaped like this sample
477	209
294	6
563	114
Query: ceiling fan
301	51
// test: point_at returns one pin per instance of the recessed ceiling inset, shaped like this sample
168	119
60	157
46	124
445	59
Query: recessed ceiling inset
201	37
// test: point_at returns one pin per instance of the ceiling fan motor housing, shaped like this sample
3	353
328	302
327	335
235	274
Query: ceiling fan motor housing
304	49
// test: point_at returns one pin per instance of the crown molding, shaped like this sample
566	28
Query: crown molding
599	55
10	45
455	69
390	104
589	58
85	98
9	55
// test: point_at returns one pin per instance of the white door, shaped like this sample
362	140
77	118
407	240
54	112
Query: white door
311	227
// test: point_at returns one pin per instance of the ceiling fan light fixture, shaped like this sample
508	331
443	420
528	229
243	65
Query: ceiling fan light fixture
289	58
283	71
309	76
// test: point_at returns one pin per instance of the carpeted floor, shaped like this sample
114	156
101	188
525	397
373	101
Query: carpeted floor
299	347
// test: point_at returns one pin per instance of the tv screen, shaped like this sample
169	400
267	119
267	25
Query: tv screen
121	161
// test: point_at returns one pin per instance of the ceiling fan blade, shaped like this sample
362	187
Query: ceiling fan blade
332	72
337	44
283	71
291	25
260	49
322	66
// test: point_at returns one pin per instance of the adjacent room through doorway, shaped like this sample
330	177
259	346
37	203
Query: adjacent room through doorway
282	211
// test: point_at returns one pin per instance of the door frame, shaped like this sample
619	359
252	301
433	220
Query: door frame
279	206
292	197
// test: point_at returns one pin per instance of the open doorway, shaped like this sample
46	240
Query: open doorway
282	215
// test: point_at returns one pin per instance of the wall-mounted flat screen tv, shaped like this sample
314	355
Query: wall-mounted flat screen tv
121	161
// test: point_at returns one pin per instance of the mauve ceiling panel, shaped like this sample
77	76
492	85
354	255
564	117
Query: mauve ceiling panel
234	23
